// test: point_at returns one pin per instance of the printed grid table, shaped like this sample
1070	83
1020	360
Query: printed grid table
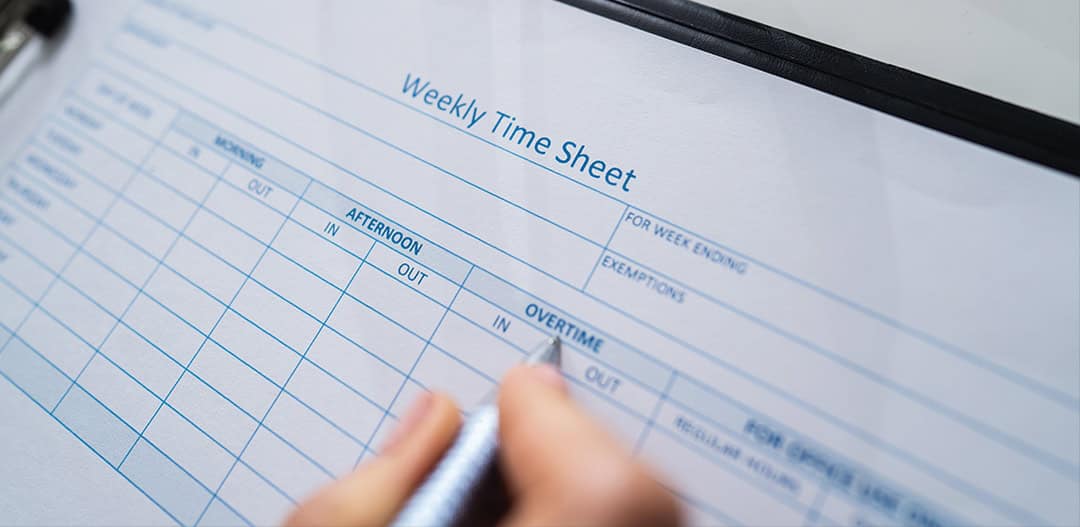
229	332
249	333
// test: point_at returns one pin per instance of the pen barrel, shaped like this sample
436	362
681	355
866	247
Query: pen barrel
442	499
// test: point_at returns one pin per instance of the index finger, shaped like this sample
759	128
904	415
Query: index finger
562	467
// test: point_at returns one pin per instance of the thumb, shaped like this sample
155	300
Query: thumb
562	467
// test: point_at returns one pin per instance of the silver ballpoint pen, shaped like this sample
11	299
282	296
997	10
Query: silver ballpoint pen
442	500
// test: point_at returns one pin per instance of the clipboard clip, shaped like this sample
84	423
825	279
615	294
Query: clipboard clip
24	27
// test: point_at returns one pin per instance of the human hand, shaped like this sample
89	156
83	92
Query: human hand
560	466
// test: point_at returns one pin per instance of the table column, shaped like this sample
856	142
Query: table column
716	452
23	279
304	439
84	143
326	402
210	413
33	253
619	384
391	309
125	374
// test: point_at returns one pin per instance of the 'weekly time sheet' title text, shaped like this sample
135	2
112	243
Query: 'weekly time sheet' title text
504	127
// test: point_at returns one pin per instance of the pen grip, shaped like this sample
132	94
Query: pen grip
442	499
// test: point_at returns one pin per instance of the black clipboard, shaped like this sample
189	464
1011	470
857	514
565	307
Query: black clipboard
923	100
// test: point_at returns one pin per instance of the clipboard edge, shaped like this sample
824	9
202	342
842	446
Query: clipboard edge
911	96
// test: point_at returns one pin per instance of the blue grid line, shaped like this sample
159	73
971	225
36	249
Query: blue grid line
306	202
192	476
928	468
97	348
87	445
350	226
655	412
708	508
231	265
399	392
618	223
249	235
223	347
384	142
193	241
144	67
35	304
412	369
61	158
226	310
101	146
1066	399
61	120
134	379
342	169
935	471
601	394
1037	454
163	402
219	344
151	297
193	374
569	378
253	237
688	346
477	295
283	385
20	338
763	486
358	441
571	345
1019	514
107	409
592	357
814	512
63	268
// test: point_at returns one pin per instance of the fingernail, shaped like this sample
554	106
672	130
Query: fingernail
419	409
549	375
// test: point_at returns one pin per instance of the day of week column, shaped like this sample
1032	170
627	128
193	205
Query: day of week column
61	186
93	148
31	253
33	249
21	282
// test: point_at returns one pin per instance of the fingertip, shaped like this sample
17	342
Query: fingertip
436	426
548	375
526	378
418	410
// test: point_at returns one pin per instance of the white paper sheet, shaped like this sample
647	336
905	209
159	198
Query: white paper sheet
236	240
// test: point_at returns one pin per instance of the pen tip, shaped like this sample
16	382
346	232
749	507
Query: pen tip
550	352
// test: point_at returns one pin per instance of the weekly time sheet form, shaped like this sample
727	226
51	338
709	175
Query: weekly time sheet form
237	239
